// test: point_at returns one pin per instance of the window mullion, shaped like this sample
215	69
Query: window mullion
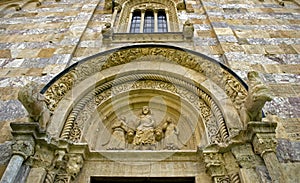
155	21
142	21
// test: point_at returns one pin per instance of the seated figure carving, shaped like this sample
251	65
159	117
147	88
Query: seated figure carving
145	138
258	95
145	134
34	103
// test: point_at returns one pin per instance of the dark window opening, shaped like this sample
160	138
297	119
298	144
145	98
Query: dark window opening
162	22
149	22
135	22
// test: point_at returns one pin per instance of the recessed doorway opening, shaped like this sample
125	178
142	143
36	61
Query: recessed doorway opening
143	179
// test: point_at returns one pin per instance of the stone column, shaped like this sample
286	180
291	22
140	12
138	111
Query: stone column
265	146
142	21
247	161
22	149
114	15
168	20
155	21
262	135
129	22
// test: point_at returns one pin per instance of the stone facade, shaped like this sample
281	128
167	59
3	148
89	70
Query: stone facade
69	47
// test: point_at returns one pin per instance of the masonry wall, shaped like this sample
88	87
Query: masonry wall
41	39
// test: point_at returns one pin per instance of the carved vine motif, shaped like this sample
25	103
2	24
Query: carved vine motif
209	111
226	81
65	167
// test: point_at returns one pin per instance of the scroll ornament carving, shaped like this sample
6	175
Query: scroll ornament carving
57	91
65	167
225	80
212	116
34	103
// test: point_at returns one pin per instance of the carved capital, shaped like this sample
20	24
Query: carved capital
264	143
214	164
74	165
24	148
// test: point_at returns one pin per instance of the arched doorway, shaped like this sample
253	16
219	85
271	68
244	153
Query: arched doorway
147	111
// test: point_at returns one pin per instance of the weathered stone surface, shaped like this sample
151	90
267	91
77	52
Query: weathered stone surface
6	152
10	110
288	151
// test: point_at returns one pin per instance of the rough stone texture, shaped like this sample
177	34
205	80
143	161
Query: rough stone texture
288	151
5	151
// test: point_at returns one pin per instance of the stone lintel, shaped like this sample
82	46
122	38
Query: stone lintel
255	127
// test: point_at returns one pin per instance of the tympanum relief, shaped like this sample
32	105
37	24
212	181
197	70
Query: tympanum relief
145	135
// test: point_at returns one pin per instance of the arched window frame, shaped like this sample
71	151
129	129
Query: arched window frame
124	22
149	21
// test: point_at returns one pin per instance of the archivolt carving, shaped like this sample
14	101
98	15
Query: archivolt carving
226	81
209	111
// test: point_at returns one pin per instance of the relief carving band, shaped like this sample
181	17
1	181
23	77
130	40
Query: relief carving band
146	135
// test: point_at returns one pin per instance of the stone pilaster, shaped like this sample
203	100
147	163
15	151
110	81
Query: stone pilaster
264	143
23	147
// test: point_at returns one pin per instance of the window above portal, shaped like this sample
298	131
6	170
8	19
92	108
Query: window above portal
147	17
146	21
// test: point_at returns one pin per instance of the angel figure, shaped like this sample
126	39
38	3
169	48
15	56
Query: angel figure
171	135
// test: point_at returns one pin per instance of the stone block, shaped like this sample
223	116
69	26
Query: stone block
36	175
46	53
5	54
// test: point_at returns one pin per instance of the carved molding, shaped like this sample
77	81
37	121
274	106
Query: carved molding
209	111
225	80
